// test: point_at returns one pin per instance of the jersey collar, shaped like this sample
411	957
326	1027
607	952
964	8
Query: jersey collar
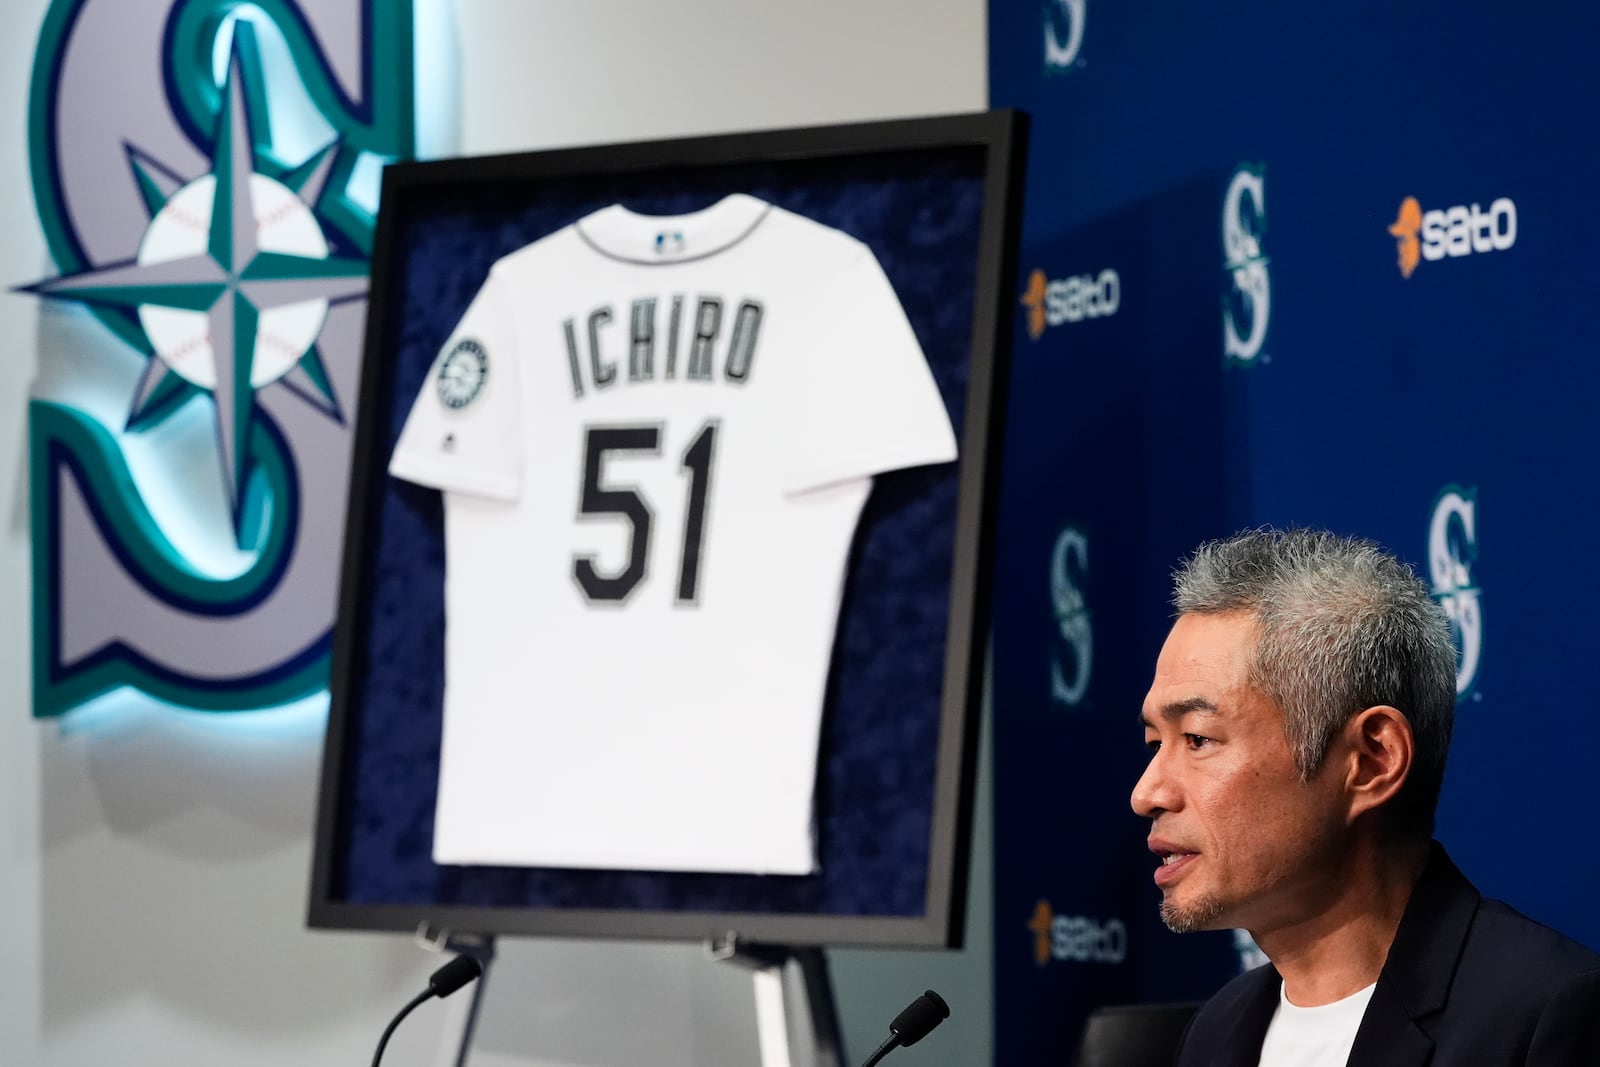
621	234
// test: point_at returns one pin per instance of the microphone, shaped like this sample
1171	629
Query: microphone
441	983
913	1024
453	975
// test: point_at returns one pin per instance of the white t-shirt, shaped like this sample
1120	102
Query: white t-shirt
1314	1037
655	436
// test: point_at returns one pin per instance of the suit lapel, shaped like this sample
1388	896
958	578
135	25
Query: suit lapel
1388	1036
1241	1046
1416	977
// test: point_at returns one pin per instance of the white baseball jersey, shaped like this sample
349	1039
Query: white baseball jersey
655	436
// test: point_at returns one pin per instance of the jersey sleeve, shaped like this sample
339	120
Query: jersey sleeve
463	433
863	400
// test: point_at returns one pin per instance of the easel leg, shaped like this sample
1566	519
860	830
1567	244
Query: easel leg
772	1022
796	1023
482	949
810	983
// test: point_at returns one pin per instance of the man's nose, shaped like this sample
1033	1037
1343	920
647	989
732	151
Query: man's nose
1154	792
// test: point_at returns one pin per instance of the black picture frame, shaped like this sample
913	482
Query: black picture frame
987	146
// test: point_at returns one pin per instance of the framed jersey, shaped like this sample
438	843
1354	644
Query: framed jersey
665	596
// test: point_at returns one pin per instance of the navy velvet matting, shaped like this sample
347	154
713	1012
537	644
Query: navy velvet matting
919	211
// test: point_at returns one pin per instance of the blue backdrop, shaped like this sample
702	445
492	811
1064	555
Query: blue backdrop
1287	265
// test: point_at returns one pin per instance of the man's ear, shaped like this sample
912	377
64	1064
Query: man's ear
1381	754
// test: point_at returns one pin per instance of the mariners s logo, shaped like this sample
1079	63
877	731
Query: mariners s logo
1250	954
1247	305
1452	550
204	177
1073	659
1063	33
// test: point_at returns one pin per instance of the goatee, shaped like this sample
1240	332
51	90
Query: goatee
1202	914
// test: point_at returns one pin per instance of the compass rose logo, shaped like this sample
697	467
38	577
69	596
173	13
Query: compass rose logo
238	271
231	281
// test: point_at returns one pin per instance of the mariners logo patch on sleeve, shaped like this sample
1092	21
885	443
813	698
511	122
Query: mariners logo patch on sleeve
463	373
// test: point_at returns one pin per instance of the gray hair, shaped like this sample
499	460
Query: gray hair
1344	626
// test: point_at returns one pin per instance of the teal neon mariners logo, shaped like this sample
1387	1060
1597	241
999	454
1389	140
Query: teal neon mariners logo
211	223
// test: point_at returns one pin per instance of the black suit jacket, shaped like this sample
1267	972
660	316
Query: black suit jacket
1468	982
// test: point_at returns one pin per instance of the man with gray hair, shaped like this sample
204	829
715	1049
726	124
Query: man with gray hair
1298	725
